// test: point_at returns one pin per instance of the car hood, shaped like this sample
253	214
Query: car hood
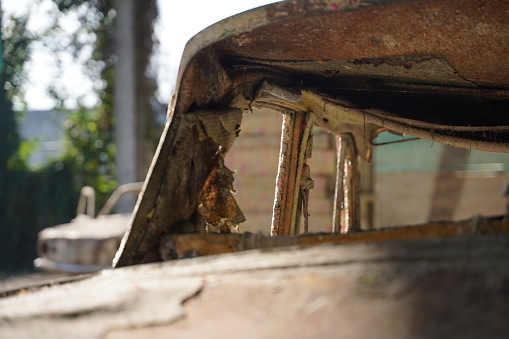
84	227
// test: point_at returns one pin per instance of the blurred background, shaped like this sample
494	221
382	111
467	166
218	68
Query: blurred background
84	92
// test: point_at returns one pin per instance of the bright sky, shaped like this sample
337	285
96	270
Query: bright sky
179	21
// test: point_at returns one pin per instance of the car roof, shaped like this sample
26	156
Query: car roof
420	66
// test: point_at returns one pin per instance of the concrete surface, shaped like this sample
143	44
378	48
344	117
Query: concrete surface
428	288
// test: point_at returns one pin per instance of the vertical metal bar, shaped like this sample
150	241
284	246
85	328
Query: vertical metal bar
278	214
304	152
353	186
306	184
295	136
293	176
339	193
346	198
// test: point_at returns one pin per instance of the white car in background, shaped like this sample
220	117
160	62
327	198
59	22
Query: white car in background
89	242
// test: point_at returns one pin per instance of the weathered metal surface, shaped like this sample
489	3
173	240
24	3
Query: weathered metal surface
202	139
430	296
306	184
443	42
346	216
339	192
91	307
425	288
342	116
295	149
283	186
370	65
181	246
409	66
292	172
16	284
217	206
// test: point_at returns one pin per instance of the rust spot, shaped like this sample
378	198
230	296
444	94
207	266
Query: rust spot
330	72
473	42
375	40
217	204
207	82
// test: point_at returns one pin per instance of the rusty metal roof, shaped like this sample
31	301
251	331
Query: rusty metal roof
346	43
429	63
447	43
435	69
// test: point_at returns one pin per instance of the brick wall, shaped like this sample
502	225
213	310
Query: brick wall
409	183
254	157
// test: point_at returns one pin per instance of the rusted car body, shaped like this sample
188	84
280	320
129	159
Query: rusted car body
435	70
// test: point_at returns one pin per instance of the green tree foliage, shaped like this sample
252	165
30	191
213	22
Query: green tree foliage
90	151
90	148
29	200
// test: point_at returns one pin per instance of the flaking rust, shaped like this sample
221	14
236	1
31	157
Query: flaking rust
217	205
294	44
179	246
201	140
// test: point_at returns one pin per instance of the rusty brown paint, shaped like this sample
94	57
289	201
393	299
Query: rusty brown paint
193	155
470	35
208	83
463	42
183	245
217	204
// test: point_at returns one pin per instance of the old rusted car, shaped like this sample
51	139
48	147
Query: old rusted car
431	69
89	242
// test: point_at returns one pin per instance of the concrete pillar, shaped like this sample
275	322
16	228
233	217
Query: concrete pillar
124	103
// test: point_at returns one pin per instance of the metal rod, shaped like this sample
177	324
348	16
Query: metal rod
339	190
352	185
305	146
346	197
295	138
281	189
293	175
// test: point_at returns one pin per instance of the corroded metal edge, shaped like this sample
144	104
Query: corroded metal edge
200	65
